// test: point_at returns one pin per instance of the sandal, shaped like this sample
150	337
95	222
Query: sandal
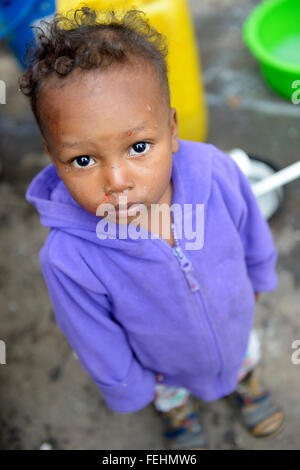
258	413
183	429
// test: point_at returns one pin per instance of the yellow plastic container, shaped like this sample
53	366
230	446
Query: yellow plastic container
171	18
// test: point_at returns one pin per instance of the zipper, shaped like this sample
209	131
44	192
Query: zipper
184	263
189	273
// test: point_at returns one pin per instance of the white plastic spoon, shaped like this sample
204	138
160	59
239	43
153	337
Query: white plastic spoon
280	178
274	181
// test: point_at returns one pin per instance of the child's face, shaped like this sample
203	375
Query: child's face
111	134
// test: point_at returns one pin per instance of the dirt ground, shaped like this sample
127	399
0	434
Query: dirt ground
46	396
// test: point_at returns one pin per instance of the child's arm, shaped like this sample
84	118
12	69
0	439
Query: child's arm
254	231
256	236
83	313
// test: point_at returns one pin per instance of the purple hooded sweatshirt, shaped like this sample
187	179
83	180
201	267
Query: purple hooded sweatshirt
132	308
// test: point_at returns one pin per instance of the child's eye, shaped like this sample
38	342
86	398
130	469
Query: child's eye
82	161
140	148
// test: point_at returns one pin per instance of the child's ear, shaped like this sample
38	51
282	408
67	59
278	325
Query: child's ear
48	151
174	130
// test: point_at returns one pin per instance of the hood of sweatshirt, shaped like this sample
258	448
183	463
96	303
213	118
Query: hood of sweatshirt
58	209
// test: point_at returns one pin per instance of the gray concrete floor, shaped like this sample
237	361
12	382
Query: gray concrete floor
46	396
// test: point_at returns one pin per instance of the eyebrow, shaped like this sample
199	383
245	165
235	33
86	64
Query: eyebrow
127	133
131	130
71	144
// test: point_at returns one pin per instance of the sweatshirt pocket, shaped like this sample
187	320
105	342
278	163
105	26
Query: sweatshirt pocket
133	393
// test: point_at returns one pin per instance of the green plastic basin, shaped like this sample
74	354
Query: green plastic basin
272	33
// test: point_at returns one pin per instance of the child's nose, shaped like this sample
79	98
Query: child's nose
117	179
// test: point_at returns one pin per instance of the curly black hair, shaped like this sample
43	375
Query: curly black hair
81	40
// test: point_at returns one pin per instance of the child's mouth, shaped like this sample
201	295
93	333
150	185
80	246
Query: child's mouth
128	209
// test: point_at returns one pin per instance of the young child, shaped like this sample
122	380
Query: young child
152	316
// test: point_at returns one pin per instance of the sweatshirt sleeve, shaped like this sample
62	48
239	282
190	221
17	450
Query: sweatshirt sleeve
100	342
260	252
